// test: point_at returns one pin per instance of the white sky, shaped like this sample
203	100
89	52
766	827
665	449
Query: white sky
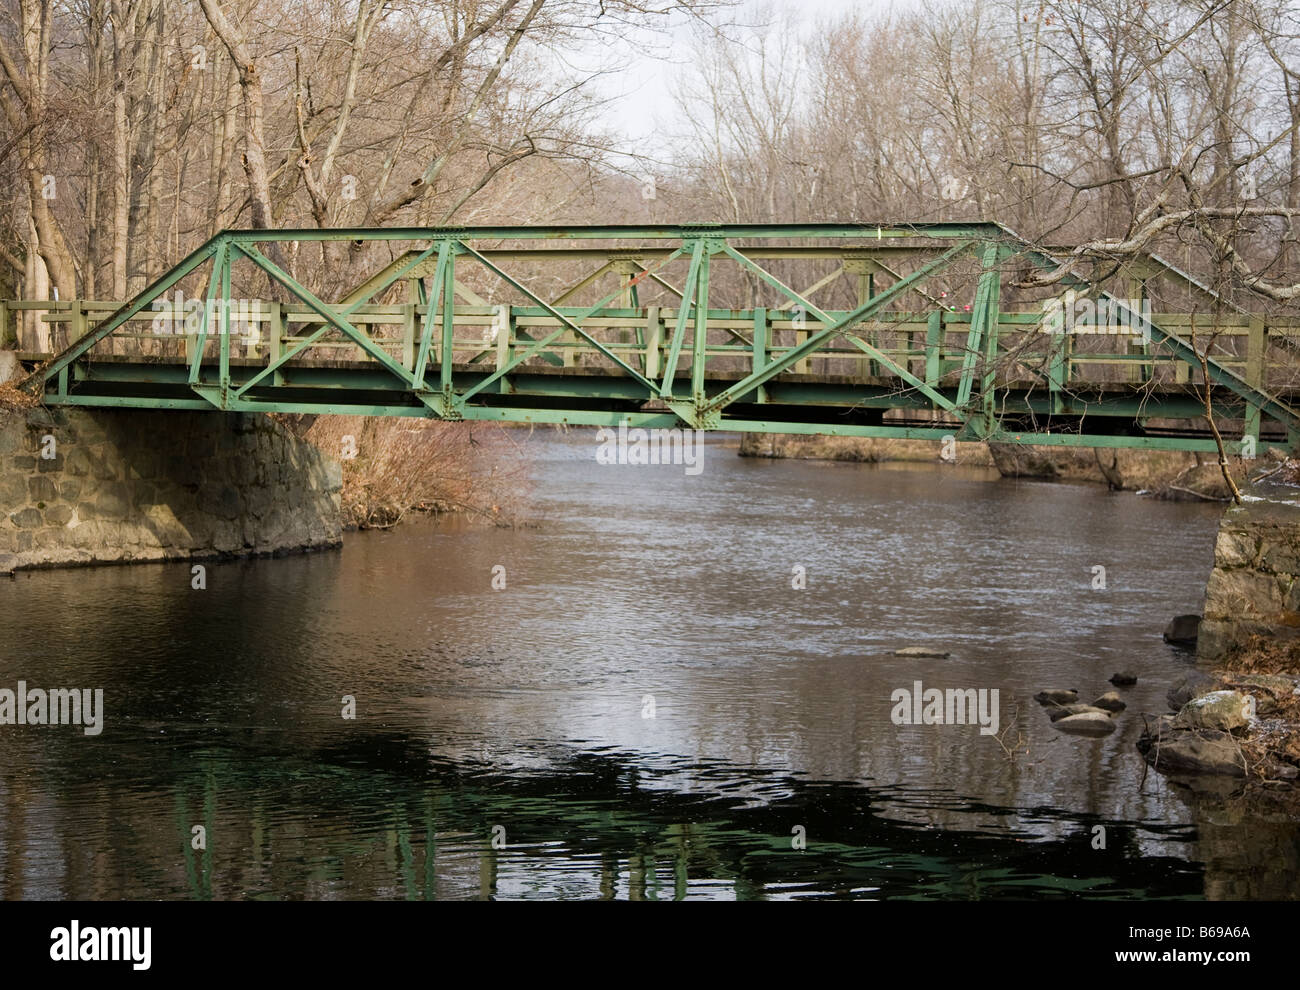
640	104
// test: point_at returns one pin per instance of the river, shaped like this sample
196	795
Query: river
647	709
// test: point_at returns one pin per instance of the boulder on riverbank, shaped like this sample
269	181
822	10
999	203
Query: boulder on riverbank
1231	721
1227	711
1172	749
1191	685
1273	693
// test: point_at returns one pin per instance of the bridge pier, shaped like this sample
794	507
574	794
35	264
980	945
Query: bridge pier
1254	588
107	486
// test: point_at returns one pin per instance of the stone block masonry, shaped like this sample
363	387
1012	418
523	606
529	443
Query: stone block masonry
107	486
1254	588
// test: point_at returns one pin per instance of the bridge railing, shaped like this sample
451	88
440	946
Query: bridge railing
489	335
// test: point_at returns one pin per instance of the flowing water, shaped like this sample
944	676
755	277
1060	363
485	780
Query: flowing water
648	709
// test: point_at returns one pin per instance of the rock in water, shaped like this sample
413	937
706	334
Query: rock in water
1222	710
1057	697
1086	724
1110	701
1065	711
921	651
1123	679
1182	630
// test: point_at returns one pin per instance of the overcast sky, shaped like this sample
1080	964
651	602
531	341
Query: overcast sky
639	102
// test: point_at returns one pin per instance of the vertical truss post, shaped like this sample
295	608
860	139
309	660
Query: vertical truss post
867	292
568	350
804	365
1060	347
201	338
700	339
224	374
1182	372
188	339
408	322
934	347
683	315
430	303
760	347
504	323
447	262
275	337
1138	294
78	324
78	327
990	318
253	338
979	313
866	286
627	271
654	336
1256	372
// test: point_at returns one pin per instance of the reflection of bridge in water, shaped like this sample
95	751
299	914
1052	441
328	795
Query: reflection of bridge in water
605	825
1078	365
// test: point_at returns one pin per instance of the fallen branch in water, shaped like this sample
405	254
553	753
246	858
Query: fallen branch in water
1200	495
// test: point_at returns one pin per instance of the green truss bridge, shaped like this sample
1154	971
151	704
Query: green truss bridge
918	331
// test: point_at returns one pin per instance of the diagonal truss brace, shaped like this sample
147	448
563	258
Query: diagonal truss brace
336	320
565	322
1180	348
38	378
832	328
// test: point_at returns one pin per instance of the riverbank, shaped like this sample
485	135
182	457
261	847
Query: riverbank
1233	731
395	468
1237	714
1172	475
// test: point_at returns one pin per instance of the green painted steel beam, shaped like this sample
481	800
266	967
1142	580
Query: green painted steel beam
201	340
433	303
689	299
733	231
127	402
